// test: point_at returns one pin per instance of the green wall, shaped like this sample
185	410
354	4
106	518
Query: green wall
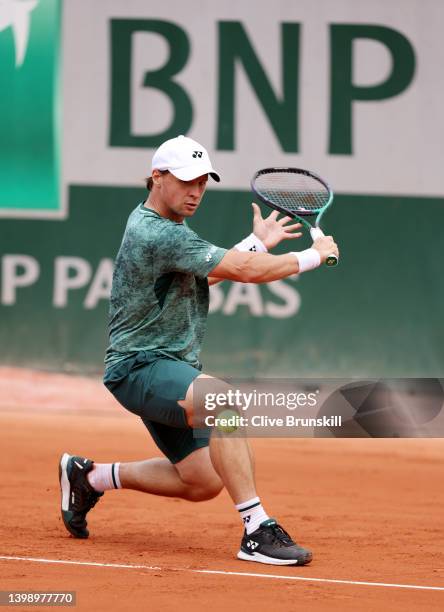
377	314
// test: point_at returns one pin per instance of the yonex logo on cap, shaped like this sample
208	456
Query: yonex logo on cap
197	153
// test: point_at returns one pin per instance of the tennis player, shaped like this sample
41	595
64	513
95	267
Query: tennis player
158	312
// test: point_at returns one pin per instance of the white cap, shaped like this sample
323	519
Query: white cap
185	158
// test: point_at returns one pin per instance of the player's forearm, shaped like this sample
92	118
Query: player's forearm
265	268
256	267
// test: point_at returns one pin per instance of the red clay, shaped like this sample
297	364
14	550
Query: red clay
371	510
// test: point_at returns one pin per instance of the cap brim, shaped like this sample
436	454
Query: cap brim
193	172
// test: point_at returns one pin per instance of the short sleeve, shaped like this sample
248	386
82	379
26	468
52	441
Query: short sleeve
179	249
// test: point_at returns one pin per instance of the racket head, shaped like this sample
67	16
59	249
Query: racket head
293	191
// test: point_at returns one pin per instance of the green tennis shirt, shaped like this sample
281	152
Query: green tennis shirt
159	296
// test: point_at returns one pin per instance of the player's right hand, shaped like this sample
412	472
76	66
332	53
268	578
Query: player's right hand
326	246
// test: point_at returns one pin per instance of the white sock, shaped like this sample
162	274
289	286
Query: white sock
252	514
104	476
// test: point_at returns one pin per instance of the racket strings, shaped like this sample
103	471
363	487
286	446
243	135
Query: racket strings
294	192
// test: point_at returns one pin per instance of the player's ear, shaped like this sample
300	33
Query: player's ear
156	176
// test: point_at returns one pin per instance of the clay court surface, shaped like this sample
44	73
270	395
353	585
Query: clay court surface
371	510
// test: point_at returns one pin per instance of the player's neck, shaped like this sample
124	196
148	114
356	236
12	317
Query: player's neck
162	209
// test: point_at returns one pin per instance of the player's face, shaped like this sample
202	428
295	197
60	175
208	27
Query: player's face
180	198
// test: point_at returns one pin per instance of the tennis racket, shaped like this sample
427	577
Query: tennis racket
297	193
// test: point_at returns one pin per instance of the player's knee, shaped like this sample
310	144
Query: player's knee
204	491
199	476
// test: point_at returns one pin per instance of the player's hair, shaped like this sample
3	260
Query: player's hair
149	180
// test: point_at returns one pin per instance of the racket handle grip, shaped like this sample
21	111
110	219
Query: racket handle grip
316	233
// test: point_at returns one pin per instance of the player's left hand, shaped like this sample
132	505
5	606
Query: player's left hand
271	231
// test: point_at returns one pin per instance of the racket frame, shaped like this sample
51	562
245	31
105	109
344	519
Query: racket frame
300	216
315	230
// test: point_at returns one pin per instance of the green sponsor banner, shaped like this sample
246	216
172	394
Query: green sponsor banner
379	313
29	105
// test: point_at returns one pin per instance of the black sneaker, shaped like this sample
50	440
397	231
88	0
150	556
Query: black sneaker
271	544
78	496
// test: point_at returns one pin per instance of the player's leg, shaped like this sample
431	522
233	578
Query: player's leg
83	482
264	540
193	478
153	391
231	456
149	388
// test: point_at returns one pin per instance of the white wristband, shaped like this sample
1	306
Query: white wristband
308	259
251	243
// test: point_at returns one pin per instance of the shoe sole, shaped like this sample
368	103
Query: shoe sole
65	490
64	482
258	558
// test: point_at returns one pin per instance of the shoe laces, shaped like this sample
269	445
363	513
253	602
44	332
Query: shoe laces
85	499
93	498
280	536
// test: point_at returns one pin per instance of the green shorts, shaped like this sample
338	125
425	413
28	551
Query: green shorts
150	386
